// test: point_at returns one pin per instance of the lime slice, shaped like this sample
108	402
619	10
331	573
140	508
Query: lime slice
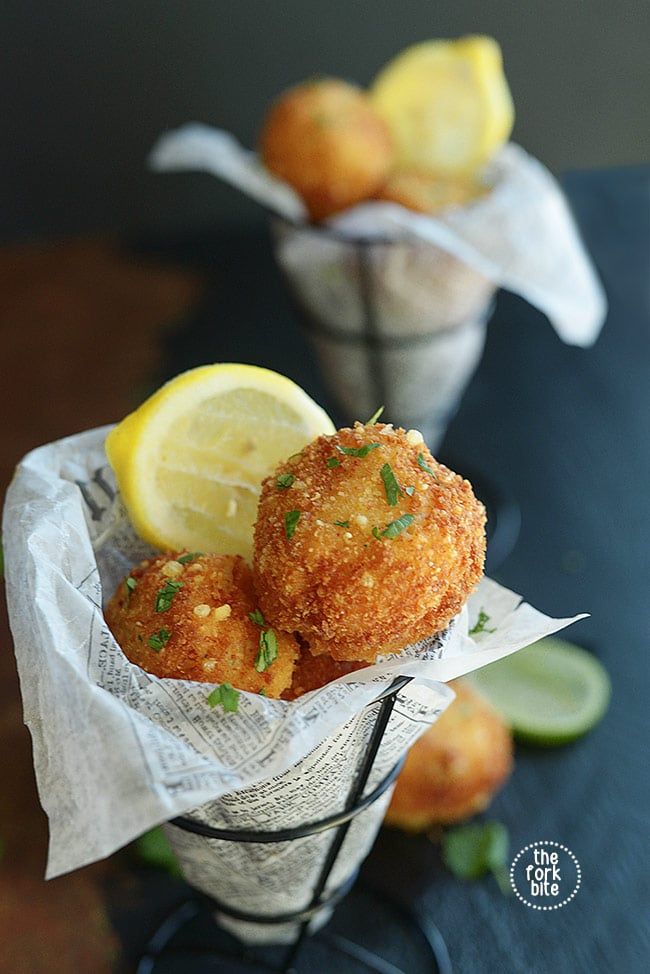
550	693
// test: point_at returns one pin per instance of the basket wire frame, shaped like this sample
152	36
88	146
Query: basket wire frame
340	821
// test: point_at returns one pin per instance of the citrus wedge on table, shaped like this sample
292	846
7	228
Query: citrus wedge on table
447	104
551	692
190	461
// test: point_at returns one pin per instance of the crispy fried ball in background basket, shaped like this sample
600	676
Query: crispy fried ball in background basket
364	543
427	193
455	768
191	622
325	139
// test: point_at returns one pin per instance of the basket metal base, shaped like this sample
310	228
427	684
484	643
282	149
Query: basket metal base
397	940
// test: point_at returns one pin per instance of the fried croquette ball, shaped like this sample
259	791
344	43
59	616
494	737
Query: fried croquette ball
187	617
325	139
454	769
364	543
314	672
430	194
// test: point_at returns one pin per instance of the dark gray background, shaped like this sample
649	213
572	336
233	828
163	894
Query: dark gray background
86	86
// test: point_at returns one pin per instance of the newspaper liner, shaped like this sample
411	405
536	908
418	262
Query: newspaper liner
118	751
429	281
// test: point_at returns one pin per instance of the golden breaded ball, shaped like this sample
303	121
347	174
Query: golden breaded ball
325	139
364	543
427	193
314	672
454	769
187	618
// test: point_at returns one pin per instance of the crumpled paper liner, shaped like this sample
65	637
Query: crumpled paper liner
118	751
520	235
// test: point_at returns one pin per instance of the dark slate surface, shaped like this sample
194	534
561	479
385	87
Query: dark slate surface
568	431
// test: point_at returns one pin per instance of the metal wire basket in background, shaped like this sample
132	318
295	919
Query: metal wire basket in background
395	323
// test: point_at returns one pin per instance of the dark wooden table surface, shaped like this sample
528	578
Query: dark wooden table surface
568	431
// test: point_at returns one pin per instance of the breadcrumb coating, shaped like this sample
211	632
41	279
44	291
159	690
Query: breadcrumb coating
372	546
188	618
325	139
313	672
454	769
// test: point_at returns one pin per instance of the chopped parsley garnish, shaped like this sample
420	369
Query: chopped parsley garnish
257	617
342	524
185	559
472	851
261	693
396	527
392	488
268	651
291	519
224	696
409	490
333	462
375	416
481	623
284	480
376	533
358	451
130	586
166	595
423	465
158	640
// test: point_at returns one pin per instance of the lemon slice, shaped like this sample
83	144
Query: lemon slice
550	693
447	104
190	461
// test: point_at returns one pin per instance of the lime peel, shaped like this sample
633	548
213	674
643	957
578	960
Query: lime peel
550	693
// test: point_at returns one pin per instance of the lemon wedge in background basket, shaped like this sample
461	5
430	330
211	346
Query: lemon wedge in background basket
550	693
190	461
447	104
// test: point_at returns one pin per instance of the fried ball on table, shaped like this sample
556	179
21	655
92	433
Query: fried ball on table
453	771
188	618
364	543
325	139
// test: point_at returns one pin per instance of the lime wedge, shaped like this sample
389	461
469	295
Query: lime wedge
551	692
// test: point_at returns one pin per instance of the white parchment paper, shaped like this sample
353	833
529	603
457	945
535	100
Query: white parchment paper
520	235
117	751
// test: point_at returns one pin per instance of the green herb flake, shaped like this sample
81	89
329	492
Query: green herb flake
333	462
257	617
186	559
395	528
409	490
224	696
422	464
130	584
392	488
473	851
481	624
261	692
166	595
284	481
291	519
268	650
342	524
376	533
158	640
375	416
358	451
